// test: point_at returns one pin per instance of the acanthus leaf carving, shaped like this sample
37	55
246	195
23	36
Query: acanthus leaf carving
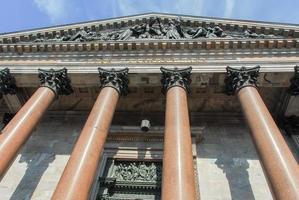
176	77
239	78
56	80
7	83
117	79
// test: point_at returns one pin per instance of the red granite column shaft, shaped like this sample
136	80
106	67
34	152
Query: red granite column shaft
278	162
77	178
178	169
19	129
178	182
80	171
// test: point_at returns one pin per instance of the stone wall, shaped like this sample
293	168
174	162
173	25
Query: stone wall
227	164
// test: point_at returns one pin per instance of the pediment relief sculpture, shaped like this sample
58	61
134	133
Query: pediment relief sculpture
154	28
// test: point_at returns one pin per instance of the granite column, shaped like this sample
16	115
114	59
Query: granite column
277	160
80	171
20	127
178	181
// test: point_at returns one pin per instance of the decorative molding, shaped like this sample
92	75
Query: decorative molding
7	83
239	78
56	80
294	87
146	44
117	79
176	77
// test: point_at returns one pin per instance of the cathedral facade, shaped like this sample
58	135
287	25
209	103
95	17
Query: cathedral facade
152	106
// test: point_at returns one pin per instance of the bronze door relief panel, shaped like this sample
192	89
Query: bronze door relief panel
130	179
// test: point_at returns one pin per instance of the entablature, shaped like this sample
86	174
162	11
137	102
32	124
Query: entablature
153	31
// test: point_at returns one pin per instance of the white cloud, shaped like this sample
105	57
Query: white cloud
55	9
229	6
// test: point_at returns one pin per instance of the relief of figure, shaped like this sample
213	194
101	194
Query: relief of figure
143	171
197	33
134	170
40	39
133	32
206	32
174	30
59	38
152	172
83	35
155	28
215	32
251	34
79	35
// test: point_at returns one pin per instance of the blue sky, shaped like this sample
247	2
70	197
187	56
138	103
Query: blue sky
18	15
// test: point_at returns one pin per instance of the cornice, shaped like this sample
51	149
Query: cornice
114	46
92	68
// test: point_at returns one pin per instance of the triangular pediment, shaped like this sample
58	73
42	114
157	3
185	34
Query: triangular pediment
154	27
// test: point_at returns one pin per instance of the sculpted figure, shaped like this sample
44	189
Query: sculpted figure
174	30
134	32
155	28
250	34
41	39
152	172
215	32
79	35
142	171
59	38
83	35
206	32
198	32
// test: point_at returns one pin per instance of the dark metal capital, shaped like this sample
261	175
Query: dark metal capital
117	79
176	77
294	87
239	78
7	83
56	80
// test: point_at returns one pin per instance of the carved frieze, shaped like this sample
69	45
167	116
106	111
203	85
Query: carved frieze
133	179
56	80
153	28
239	78
117	79
7	83
294	87
176	77
138	171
